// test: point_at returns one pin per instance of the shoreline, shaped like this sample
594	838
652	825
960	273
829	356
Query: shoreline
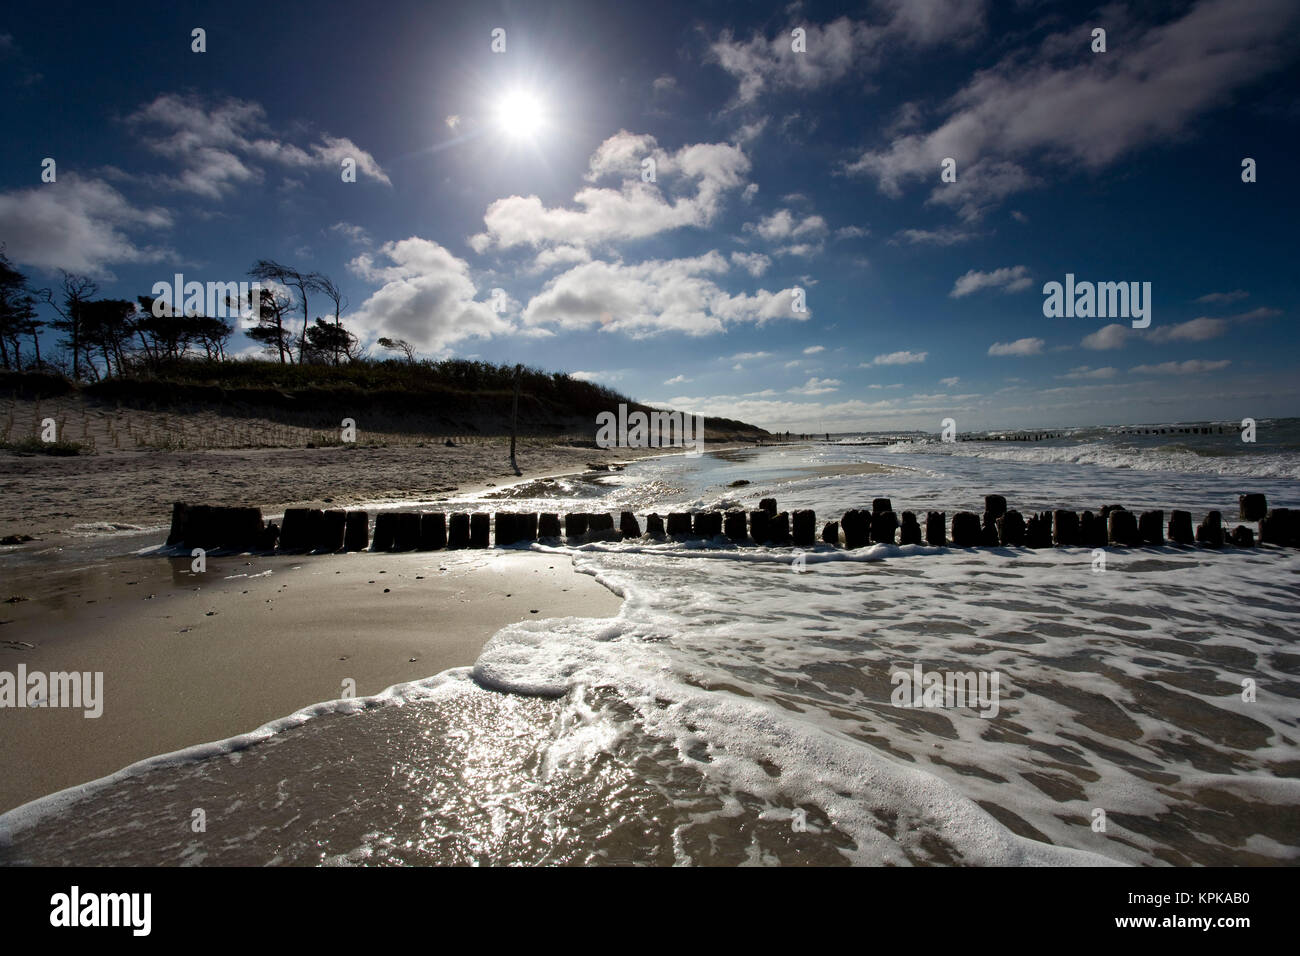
188	658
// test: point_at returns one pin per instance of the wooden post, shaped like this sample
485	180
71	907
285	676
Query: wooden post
514	420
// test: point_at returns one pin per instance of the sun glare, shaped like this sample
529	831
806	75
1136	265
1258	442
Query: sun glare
519	114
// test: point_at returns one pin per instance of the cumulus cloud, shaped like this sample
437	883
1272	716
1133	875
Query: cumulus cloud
1020	347
816	386
700	175
1086	372
77	224
1008	279
836	50
1197	330
814	349
900	358
1087	110
944	236
654	296
1111	336
1214	298
1190	367
426	296
219	146
755	263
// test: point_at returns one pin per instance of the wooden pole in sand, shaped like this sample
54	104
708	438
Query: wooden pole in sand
514	420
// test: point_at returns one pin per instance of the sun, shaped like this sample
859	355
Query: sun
519	114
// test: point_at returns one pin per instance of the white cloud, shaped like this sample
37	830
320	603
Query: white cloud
1190	367
219	146
77	224
1224	297
950	382
427	296
1085	372
943	236
782	224
1197	330
755	263
1020	347
676	380
814	349
1087	110
636	210
844	46
351	232
654	296
817	386
1008	279
747	356
900	358
1111	336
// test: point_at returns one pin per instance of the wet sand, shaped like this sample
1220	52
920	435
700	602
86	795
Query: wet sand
190	658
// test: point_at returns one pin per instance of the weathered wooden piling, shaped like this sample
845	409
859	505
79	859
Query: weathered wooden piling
385	531
909	532
1210	531
679	524
600	521
548	526
575	525
1151	528
628	525
1123	528
654	525
1276	527
1092	531
831	533
1065	528
706	524
803	528
433	531
269	537
299	532
856	525
1243	537
406	534
356	531
965	529
330	531
879	505
1252	507
995	506
1038	530
457	530
180	514
760	526
733	525
768	505
935	532
480	530
779	528
1011	529
884	525
1180	528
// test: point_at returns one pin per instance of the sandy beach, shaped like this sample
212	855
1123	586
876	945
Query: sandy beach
189	658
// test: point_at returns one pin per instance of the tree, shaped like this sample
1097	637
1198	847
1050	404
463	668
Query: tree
326	342
266	269
17	315
335	295
397	345
76	291
107	325
270	329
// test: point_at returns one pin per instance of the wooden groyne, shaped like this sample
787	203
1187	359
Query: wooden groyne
312	530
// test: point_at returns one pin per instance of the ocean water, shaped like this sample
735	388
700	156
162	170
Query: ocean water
744	707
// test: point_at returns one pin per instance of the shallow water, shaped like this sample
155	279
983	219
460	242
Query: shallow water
744	708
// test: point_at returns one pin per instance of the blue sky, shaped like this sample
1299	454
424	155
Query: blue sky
775	170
